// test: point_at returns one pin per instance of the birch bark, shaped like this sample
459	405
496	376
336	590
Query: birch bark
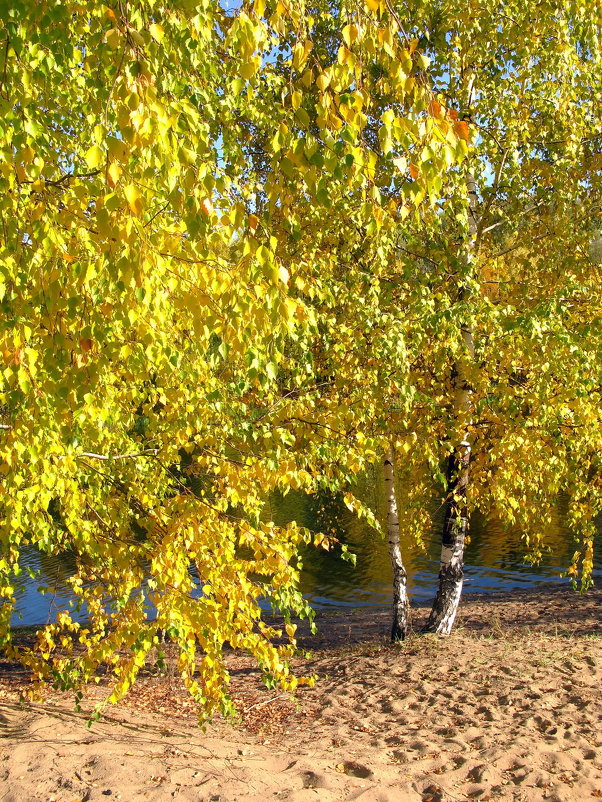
399	629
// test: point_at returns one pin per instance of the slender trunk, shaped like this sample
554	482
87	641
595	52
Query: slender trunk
401	609
455	524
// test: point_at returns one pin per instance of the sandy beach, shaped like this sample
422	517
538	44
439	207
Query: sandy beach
507	708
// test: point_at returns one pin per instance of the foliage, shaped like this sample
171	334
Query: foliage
237	258
174	181
516	271
533	297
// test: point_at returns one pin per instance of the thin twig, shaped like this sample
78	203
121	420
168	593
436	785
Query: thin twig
3	81
266	702
151	452
395	16
156	214
491	198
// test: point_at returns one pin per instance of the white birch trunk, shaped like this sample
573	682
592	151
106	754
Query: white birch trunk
399	629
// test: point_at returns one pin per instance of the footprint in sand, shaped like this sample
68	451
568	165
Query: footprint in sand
486	712
312	780
433	793
420	746
398	756
546	725
353	769
393	707
447	732
480	774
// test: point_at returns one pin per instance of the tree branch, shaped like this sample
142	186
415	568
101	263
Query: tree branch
494	189
149	452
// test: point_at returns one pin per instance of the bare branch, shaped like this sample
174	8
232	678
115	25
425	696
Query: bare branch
395	16
492	196
149	452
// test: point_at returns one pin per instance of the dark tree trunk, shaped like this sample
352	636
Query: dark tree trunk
455	526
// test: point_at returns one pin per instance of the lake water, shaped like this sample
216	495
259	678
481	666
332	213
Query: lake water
495	559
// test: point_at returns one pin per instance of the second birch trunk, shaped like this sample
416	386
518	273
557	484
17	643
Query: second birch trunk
455	527
455	524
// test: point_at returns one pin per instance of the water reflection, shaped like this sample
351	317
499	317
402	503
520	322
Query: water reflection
495	558
43	588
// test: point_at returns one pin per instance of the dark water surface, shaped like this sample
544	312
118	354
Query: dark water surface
495	559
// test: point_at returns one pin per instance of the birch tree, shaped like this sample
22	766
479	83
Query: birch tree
471	341
507	367
254	249
174	183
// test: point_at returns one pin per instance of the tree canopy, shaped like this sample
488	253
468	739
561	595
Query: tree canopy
165	170
239	255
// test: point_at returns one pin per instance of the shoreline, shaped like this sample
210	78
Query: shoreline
506	708
417	603
475	613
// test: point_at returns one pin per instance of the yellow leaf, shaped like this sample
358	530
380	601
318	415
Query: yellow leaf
207	207
300	54
322	81
308	77
94	157
343	55
26	154
259	7
114	173
134	199
248	70
38	211
157	32
112	38
117	148
350	34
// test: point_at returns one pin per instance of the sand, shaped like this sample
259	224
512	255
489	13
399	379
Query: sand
507	708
